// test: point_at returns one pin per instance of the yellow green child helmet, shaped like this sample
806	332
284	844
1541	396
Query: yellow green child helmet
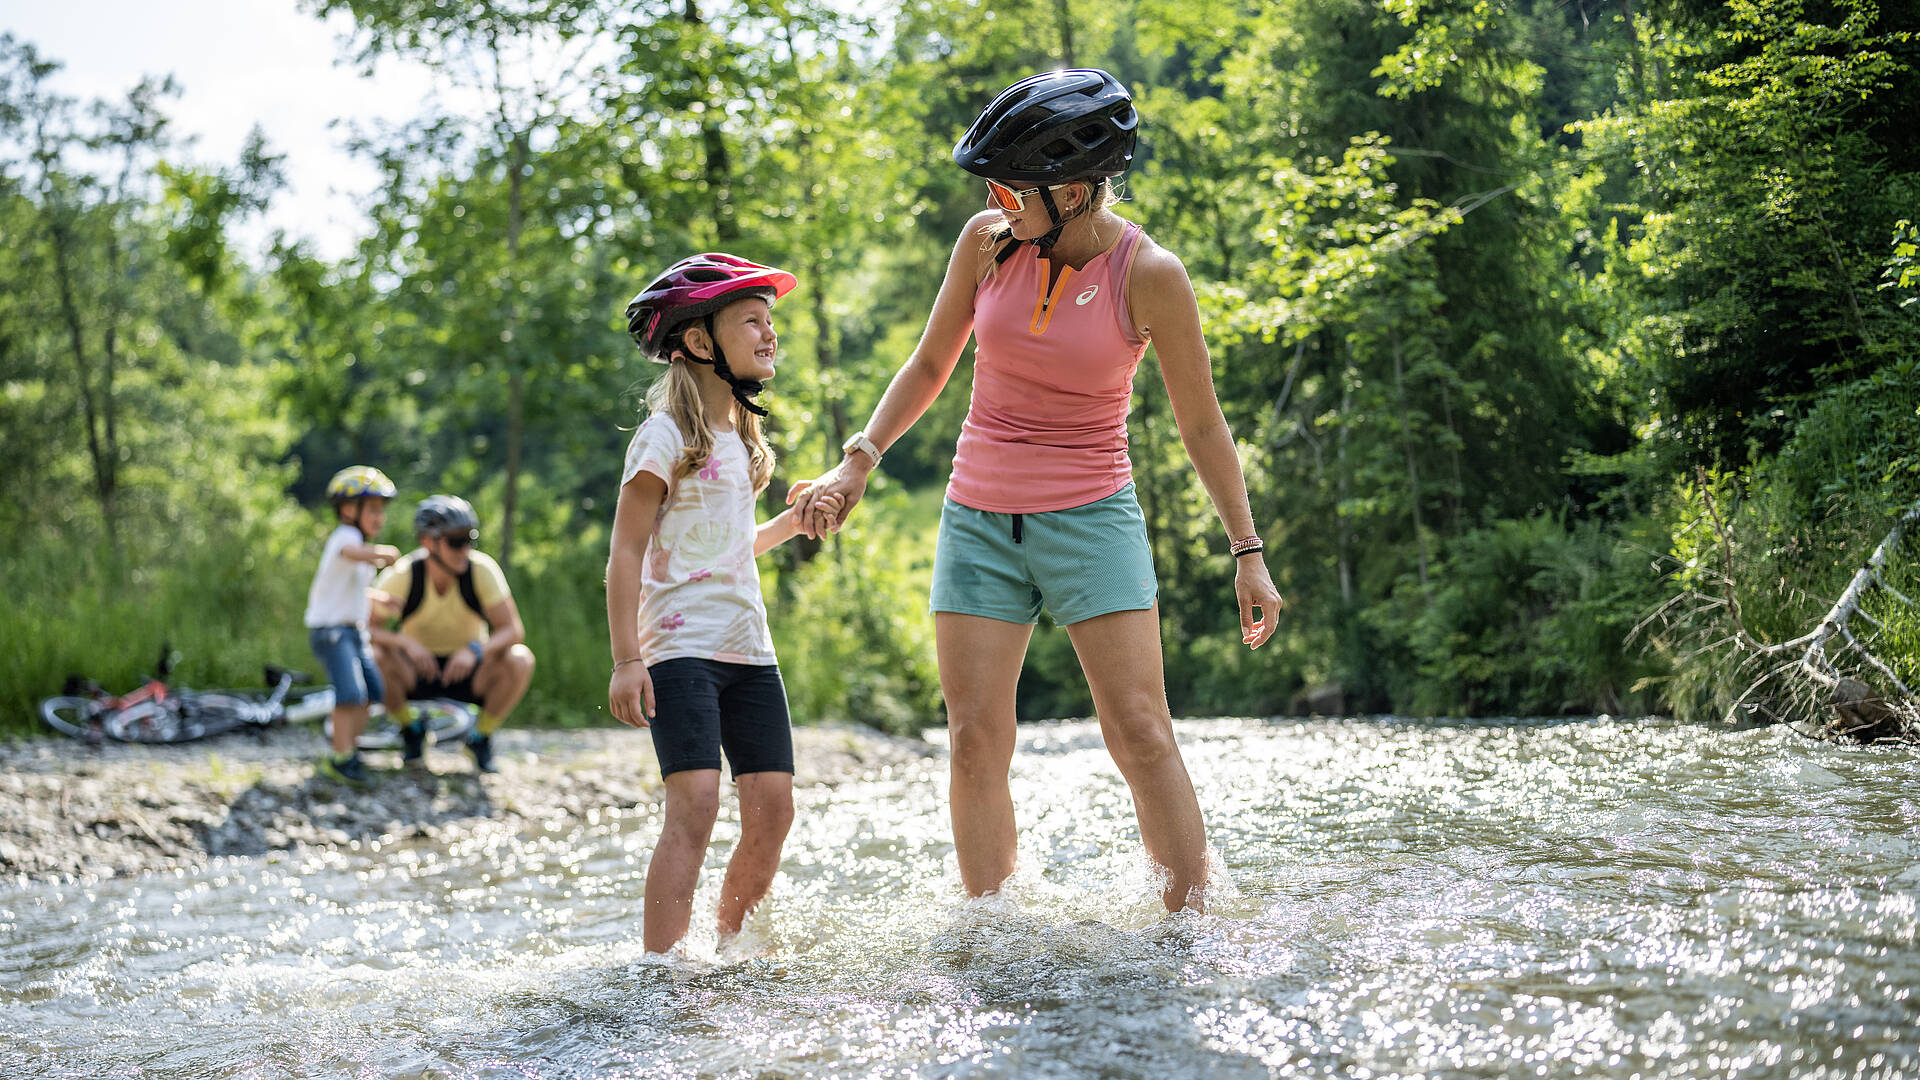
359	482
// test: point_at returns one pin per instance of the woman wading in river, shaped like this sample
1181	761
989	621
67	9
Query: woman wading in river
1062	297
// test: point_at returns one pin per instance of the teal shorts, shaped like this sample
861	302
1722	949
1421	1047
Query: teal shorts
1077	563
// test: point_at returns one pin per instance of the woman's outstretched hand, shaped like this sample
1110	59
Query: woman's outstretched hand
1254	587
822	506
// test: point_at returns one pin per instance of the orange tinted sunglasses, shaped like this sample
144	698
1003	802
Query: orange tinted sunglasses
1005	198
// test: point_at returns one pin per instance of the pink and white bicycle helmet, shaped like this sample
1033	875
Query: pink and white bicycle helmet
697	286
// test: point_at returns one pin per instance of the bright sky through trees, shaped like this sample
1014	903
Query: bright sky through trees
239	63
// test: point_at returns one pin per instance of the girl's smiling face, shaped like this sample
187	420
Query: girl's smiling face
747	338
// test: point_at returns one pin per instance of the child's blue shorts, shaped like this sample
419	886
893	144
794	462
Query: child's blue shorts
348	659
1080	562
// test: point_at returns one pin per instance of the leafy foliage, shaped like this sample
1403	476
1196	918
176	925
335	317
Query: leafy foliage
1503	296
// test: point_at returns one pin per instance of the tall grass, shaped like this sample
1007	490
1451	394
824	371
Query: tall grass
227	603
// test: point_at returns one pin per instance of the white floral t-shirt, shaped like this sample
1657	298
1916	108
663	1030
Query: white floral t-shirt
699	587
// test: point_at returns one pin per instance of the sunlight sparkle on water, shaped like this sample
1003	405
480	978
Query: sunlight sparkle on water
1396	898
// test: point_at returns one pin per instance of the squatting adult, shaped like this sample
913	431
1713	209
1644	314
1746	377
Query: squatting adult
458	634
1062	297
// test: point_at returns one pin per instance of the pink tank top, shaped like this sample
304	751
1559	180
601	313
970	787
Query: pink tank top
1052	383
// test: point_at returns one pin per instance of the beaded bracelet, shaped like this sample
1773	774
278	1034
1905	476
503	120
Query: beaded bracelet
1244	545
1252	550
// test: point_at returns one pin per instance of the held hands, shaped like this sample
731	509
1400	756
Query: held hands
385	555
826	512
630	694
1254	588
822	506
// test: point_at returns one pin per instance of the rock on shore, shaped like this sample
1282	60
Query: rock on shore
69	810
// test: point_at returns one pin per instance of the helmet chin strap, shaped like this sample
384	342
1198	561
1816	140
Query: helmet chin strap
743	389
1045	243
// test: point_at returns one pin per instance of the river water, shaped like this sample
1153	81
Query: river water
1406	898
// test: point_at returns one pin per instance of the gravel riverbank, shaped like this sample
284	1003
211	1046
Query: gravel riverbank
69	810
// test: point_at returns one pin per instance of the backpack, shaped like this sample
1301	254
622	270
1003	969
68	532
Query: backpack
417	588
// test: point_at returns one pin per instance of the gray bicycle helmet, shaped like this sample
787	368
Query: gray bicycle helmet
446	515
1051	128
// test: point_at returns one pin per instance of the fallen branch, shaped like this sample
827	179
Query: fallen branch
1865	714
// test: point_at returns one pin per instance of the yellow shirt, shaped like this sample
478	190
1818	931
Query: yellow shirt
443	622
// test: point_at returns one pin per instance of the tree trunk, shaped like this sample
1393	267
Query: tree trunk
719	163
1343	488
826	354
1413	465
1063	14
516	373
105	479
1453	452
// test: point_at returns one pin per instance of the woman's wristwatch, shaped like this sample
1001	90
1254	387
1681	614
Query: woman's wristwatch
859	441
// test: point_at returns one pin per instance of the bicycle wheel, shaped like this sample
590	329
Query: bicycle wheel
146	722
446	719
70	715
215	712
310	706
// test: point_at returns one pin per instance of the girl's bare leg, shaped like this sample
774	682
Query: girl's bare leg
693	802
766	813
348	722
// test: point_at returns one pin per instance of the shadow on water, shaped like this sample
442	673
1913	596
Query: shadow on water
272	817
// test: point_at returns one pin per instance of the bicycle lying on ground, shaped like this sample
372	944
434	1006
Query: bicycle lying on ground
159	713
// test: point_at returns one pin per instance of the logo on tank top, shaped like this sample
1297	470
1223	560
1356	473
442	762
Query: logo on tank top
1090	292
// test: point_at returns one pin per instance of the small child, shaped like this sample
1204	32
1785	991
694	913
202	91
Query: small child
692	654
338	607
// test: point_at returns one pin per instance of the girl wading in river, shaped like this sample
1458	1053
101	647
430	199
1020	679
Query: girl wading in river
692	653
1062	297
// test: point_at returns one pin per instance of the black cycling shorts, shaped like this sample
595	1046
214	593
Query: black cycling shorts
425	689
702	707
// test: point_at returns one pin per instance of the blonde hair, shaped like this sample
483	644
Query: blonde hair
676	392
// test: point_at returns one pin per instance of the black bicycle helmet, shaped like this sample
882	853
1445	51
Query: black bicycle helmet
1052	128
446	515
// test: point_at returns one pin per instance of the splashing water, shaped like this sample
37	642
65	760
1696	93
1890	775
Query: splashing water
1535	898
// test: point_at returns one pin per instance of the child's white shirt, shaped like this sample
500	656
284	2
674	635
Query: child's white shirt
699	586
338	596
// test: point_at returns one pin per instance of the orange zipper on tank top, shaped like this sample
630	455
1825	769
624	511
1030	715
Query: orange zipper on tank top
1043	307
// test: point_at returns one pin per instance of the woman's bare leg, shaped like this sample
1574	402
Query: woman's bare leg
979	669
1120	653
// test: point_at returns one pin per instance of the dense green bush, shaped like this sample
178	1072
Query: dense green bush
851	626
1528	616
